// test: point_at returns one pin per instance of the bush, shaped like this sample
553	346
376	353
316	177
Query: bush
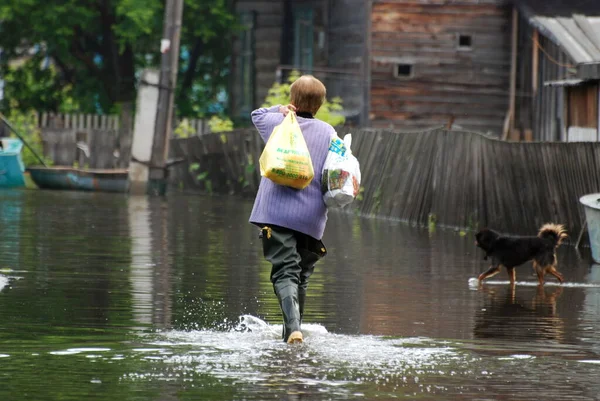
25	124
330	112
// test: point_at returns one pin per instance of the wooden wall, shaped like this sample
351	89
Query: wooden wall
462	179
540	108
348	46
470	86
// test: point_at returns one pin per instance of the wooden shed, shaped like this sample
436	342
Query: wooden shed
558	70
517	69
396	63
436	62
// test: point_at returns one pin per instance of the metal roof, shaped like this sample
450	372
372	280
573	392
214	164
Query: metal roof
558	8
565	82
578	35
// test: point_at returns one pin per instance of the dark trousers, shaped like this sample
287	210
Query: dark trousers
293	256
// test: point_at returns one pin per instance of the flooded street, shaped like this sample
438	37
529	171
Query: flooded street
107	297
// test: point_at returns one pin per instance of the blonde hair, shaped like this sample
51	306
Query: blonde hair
308	94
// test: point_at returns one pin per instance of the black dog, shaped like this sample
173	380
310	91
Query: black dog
511	252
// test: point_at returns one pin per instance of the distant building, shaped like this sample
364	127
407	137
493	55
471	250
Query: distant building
557	70
412	65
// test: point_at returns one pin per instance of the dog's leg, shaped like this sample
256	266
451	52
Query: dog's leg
552	270
539	270
512	294
492	271
512	275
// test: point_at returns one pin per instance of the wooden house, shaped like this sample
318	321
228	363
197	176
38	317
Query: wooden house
519	69
323	37
557	71
439	62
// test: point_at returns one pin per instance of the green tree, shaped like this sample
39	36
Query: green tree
206	37
330	111
60	54
34	88
94	45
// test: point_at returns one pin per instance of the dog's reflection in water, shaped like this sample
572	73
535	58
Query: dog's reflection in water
525	313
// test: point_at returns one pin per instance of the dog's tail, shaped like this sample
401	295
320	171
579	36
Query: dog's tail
553	232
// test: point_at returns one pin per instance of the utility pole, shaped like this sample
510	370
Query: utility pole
167	84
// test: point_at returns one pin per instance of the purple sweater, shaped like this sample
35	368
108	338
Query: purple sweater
299	210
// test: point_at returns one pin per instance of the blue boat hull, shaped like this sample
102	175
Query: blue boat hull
11	165
67	178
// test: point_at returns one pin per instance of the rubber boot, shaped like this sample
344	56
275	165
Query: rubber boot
309	259
288	301
301	299
280	248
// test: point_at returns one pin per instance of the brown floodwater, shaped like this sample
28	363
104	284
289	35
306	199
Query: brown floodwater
109	297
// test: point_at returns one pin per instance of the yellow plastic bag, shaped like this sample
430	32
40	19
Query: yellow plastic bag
285	159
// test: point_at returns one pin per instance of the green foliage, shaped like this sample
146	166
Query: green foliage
431	222
330	111
206	39
28	87
96	50
360	195
184	129
218	124
94	46
137	19
25	125
202	177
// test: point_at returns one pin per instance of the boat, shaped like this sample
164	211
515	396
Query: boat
71	178
11	166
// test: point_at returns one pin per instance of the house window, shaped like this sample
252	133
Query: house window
465	42
403	70
246	65
303	38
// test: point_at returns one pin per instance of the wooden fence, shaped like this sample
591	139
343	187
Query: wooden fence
467	180
459	179
221	163
190	126
83	139
94	140
78	121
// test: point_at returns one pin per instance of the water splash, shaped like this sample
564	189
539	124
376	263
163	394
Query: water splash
253	353
3	281
249	323
474	284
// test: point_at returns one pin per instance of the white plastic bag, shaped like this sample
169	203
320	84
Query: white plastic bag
341	173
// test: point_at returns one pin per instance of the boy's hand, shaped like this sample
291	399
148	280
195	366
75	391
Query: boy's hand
286	109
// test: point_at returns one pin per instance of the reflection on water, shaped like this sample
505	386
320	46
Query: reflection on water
531	315
136	298
142	266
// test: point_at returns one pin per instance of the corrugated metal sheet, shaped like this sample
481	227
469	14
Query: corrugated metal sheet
578	35
565	82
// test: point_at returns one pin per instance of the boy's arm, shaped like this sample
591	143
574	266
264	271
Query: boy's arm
266	119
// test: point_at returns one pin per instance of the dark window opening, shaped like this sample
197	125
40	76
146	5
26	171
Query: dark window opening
303	38
403	70
465	41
